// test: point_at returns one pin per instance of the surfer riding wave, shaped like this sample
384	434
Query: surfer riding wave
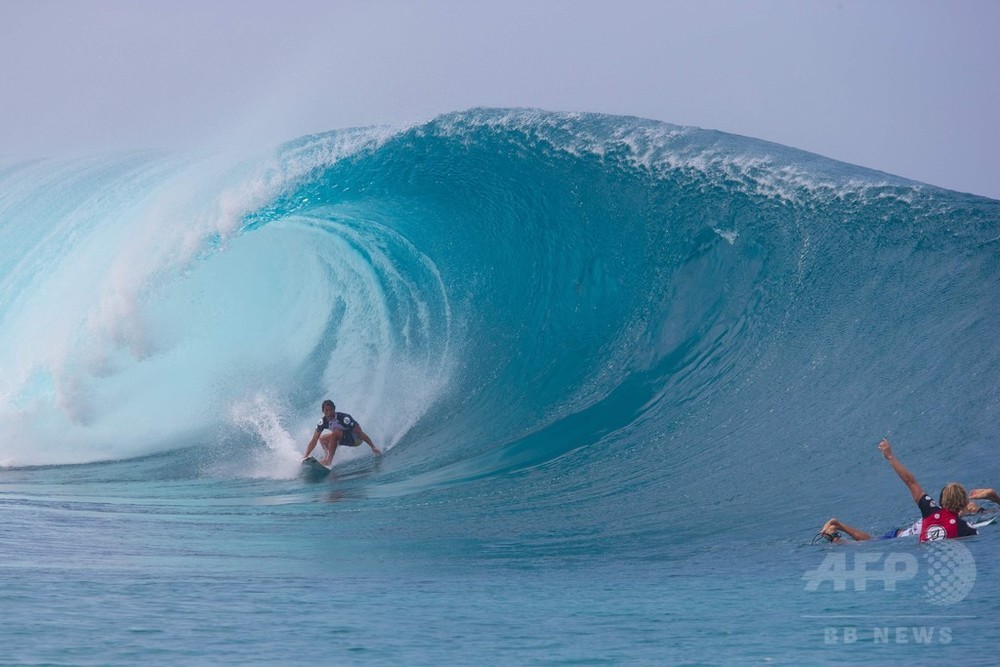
334	429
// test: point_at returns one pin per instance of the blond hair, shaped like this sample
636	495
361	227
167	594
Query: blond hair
954	497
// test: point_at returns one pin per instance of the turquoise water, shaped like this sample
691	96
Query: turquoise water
623	371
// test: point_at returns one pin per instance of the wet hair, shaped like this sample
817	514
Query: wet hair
954	497
330	403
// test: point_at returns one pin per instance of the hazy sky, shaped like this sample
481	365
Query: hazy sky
908	87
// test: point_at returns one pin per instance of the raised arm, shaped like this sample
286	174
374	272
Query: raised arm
916	490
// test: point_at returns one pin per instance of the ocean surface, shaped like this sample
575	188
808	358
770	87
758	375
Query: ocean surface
622	370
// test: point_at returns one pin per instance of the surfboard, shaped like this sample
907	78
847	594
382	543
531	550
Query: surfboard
982	522
312	470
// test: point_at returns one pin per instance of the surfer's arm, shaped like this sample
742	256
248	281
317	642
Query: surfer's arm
972	507
916	490
984	494
312	444
364	438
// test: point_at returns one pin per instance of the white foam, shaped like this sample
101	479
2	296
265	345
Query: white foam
82	338
661	149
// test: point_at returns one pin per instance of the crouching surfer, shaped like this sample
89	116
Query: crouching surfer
335	429
941	519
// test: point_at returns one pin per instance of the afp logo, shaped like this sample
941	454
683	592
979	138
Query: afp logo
951	572
946	568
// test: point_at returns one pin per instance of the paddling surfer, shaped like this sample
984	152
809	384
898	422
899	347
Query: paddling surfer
941	519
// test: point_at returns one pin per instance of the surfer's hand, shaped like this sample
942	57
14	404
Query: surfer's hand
885	448
376	450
